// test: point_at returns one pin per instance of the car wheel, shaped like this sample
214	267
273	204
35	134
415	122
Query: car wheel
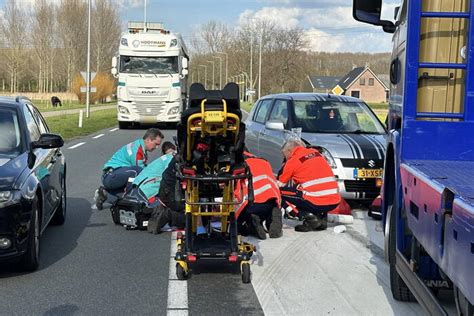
60	215
30	260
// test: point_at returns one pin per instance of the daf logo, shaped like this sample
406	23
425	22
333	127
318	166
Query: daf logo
148	91
371	163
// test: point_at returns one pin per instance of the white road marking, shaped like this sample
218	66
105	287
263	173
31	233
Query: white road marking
77	145
98	136
177	289
114	129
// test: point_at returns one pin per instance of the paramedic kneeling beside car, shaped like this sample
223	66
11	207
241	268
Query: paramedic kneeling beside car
315	192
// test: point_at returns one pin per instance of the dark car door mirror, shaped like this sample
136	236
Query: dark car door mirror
370	11
275	125
48	141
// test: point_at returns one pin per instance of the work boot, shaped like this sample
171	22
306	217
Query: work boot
100	196
163	218
311	223
257	228
276	227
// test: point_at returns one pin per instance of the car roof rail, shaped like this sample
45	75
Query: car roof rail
20	97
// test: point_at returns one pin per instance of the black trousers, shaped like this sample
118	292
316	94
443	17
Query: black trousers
295	197
262	210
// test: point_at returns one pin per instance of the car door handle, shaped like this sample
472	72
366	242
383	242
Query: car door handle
59	153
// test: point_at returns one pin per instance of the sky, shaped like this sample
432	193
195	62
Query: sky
328	24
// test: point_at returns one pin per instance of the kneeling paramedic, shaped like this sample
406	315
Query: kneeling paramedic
267	201
148	180
316	192
126	163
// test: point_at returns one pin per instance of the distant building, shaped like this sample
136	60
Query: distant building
362	83
322	84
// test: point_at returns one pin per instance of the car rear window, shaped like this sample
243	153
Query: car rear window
10	136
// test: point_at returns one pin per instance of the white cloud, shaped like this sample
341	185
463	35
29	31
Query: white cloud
331	30
286	17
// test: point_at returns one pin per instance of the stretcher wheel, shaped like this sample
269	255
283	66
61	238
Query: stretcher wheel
180	273
245	272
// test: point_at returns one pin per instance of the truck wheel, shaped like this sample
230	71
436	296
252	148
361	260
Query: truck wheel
464	307
123	125
400	290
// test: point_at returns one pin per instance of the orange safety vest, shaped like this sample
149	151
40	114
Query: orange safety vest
313	176
265	186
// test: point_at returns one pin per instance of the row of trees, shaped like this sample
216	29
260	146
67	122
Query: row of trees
286	58
44	47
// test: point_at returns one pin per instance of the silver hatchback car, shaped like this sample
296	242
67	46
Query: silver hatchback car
344	129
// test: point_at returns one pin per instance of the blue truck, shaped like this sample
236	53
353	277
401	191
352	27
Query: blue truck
428	189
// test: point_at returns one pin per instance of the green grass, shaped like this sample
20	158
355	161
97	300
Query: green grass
246	106
378	106
45	105
67	125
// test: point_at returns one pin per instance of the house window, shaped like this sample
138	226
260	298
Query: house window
362	81
355	94
371	81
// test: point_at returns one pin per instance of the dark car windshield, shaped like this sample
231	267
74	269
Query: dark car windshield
10	136
147	65
336	117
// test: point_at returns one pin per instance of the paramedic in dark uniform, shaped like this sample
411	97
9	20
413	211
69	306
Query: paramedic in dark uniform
315	192
126	163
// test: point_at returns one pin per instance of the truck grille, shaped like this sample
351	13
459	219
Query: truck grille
367	186
149	109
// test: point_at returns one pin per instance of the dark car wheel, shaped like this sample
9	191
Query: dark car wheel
60	215
30	260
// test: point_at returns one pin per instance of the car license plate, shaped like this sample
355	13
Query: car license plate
368	173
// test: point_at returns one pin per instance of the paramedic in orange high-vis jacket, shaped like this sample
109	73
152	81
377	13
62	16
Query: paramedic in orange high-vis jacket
266	206
315	191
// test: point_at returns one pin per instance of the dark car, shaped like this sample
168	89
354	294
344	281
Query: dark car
32	181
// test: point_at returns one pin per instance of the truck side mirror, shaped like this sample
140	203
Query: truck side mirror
184	63
369	11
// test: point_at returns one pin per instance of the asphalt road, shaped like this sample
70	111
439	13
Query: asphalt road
91	266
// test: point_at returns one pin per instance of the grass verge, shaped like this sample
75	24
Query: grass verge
246	106
67	125
45	106
378	106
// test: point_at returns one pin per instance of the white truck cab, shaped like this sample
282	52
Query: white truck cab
152	75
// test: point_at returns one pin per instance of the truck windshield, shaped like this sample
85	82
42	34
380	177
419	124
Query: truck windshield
149	65
336	117
10	136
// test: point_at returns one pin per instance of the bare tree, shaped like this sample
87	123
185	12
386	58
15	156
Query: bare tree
106	33
72	27
13	30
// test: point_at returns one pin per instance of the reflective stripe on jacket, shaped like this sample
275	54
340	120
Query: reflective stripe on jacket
265	186
133	154
313	176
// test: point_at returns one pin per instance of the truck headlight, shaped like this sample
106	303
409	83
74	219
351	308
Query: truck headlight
5	196
174	42
329	158
173	110
124	42
123	110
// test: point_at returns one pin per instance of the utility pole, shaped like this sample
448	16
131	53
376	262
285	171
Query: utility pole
213	75
227	79
220	71
205	75
88	75
251	65
144	15
260	67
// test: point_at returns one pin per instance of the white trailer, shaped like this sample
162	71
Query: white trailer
152	69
